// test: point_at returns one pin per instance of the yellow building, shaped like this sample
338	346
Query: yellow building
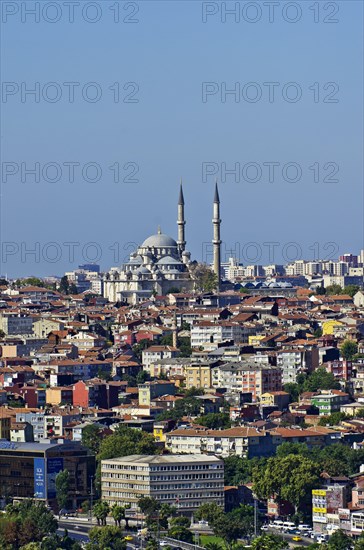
328	327
254	339
198	376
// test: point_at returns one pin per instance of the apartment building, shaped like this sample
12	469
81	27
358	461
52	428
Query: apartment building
156	353
16	323
198	375
150	390
330	401
241	441
294	361
241	377
184	481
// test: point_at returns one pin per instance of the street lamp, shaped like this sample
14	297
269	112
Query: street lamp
91	497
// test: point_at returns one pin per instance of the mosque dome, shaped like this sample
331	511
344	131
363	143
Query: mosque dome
158	241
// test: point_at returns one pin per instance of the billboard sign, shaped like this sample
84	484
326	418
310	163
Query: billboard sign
54	466
39	478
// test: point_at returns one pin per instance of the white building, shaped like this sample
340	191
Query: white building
184	481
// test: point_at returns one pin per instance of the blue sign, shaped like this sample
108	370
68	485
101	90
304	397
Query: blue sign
39	478
54	466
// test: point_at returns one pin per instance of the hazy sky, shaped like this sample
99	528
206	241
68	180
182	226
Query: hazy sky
148	100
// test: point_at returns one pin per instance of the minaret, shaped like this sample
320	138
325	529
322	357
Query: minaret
181	221
216	242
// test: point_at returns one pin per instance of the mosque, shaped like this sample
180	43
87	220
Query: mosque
161	263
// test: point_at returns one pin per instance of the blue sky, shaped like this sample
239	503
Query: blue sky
171	132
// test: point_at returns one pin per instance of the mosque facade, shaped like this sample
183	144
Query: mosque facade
160	263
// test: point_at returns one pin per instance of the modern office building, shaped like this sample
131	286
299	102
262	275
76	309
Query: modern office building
184	481
29	470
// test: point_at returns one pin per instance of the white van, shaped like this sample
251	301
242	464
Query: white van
277	524
304	527
288	526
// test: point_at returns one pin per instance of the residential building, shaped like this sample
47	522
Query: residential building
296	361
244	442
156	353
246	377
150	390
330	401
198	375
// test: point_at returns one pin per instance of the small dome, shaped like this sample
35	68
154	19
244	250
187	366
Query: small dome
168	260
136	260
158	241
143	270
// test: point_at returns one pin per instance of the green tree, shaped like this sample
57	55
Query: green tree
215	421
348	349
118	514
287	448
149	506
269	542
289	478
179	529
24	523
109	537
91	438
229	529
237	470
333	419
333	290
339	541
320	379
126	441
142	377
204	278
63	488
351	290
64	285
209	511
101	511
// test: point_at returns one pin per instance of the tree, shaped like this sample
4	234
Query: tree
64	285
2	334
320	379
142	377
214	421
118	514
62	488
333	290
24	523
269	542
204	278
149	506
91	438
351	290
333	419
228	528
179	529
287	448
109	537
100	511
348	349
209	512
339	541
289	478
237	470
126	441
